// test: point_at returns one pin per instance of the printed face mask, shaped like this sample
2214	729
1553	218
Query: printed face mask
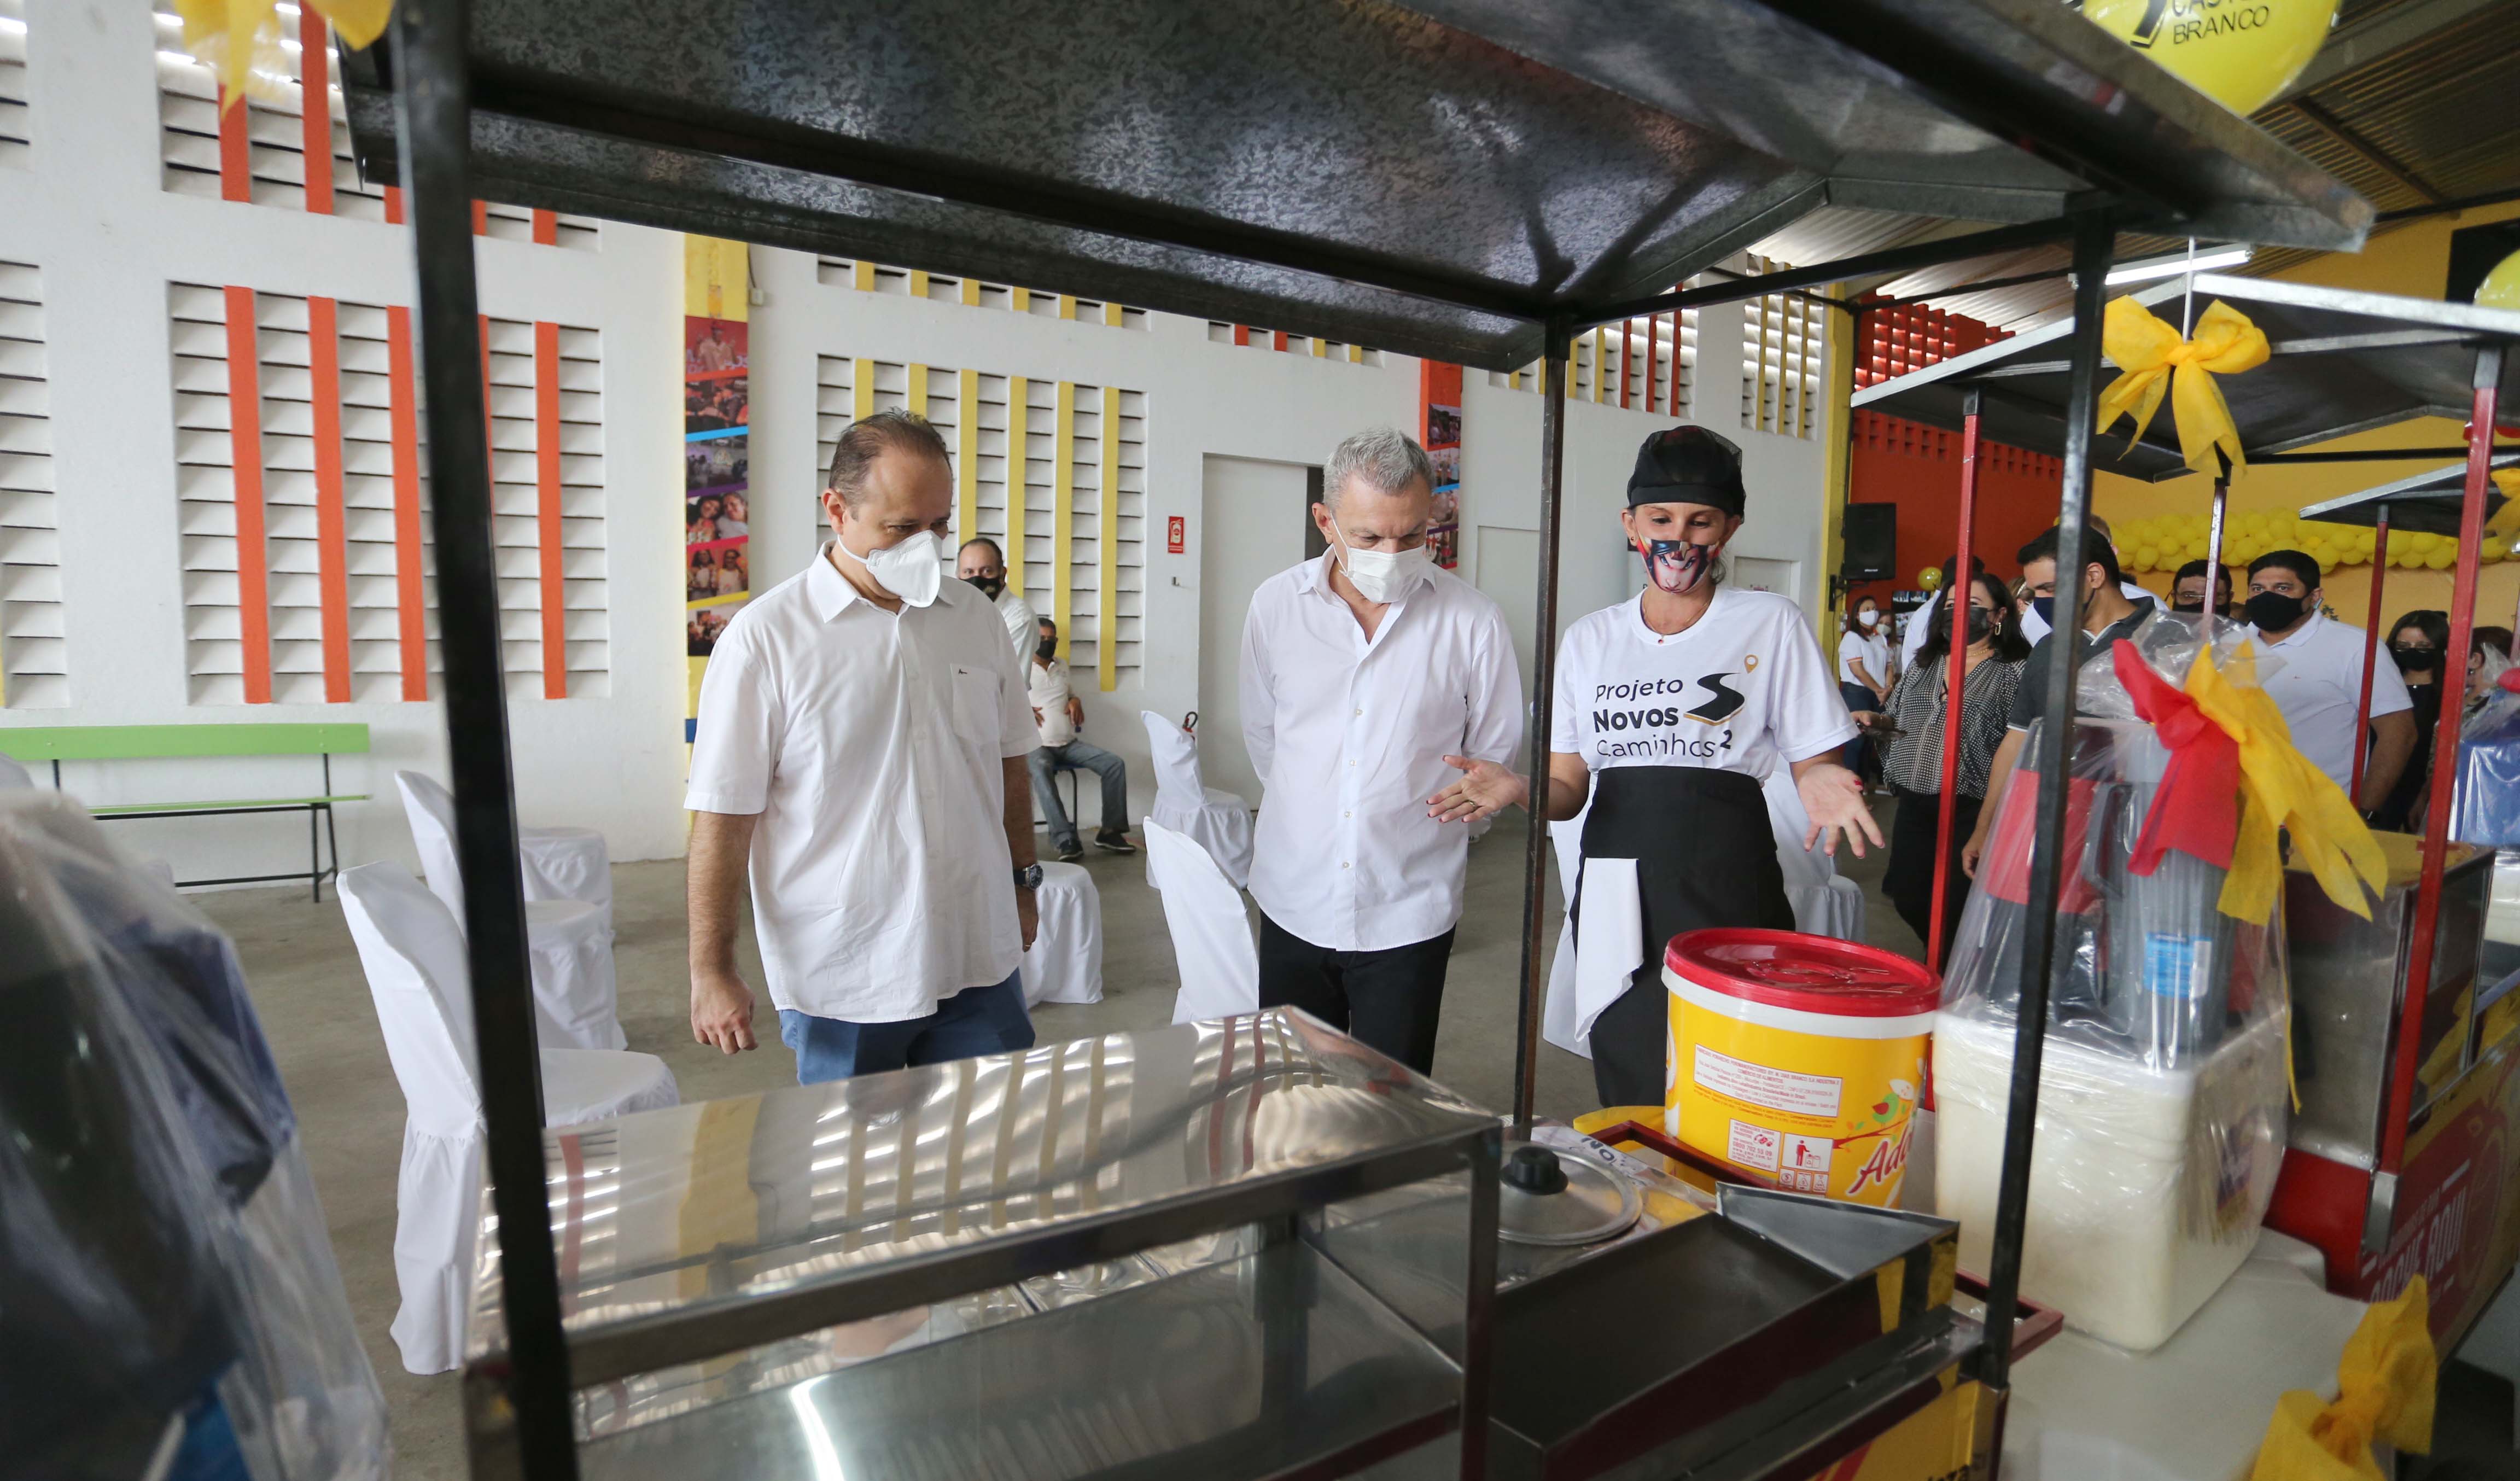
989	586
912	570
1677	565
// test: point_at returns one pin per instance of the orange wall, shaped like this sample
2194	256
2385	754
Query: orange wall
1917	468
2411	261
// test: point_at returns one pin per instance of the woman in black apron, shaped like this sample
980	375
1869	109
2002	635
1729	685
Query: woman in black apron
1672	708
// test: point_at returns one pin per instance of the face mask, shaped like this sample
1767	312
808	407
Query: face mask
2186	605
989	586
1866	617
1047	649
2273	611
2046	607
1981	626
1677	565
912	570
2416	660
1382	576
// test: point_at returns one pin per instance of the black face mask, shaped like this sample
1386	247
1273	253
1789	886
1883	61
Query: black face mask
2415	660
989	586
1981	625
2273	611
1047	649
2185	605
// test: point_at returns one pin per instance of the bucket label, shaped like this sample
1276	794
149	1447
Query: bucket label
1754	1146
1781	1089
2178	966
1806	1163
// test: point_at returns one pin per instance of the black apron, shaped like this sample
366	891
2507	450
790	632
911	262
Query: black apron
1706	854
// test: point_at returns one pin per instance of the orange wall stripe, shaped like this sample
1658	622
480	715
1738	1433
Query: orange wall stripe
245	447
546	228
315	109
1243	333
236	150
394	205
332	535
547	509
1278	339
480	218
411	601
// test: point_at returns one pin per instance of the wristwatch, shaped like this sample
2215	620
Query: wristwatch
1028	876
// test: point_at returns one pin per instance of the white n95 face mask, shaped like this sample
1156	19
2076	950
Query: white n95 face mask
1384	577
912	570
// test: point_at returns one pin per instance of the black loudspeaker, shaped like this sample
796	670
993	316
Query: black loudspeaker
1871	537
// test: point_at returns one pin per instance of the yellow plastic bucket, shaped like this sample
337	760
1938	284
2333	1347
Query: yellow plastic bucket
1796	1059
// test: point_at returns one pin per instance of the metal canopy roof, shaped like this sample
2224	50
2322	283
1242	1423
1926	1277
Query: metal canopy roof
1436	179
2422	504
2344	362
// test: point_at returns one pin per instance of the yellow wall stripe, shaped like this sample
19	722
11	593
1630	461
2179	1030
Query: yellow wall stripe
1602	362
1320	348
1115	315
917	393
1018	390
861	390
917	283
1107	548
967	453
1356	354
1063	508
1019	300
971	293
1067	310
863	277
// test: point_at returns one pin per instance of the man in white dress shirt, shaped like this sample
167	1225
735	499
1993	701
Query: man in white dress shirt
982	563
1382	711
2320	688
860	746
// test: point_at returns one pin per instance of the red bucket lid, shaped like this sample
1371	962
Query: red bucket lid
1812	975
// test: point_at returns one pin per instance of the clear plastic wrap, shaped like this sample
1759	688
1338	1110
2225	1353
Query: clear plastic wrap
164	1270
2163	1097
2485	808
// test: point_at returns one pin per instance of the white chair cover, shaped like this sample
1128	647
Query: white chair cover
1825	904
413	956
1065	962
1557	1014
559	863
576	1000
11	774
1220	967
1218	822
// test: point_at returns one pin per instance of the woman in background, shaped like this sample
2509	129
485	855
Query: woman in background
2417	644
2489	654
1863	677
1994	655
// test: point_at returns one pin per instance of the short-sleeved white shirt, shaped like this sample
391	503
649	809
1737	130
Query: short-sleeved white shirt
871	746
2319	690
1739	689
1872	647
1022	625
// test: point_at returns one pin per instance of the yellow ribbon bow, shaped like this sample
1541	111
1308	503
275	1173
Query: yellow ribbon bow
2384	1386
2506	519
2153	361
240	39
2280	789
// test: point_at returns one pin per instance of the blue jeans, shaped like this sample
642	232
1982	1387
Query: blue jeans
977	1020
1048	761
1856	752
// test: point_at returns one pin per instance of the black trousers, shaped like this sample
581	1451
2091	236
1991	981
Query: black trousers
1388	1000
1910	882
1706	854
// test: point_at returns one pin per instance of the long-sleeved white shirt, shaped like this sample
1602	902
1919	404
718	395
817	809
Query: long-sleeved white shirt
1348	738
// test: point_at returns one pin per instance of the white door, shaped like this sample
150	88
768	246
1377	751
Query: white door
1255	515
1509	572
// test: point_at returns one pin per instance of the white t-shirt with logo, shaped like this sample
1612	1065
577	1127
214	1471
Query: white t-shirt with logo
1743	688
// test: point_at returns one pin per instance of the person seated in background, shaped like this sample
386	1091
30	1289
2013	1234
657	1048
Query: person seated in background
1060	715
2320	688
2187	589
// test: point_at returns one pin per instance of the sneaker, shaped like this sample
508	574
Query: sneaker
1114	840
1070	851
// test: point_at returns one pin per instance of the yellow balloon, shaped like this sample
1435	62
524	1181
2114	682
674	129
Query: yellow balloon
2195	550
2439	559
2147	556
2501	287
1931	578
2239	53
2423	543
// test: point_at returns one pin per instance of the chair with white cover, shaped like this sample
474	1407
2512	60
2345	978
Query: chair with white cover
559	863
413	955
570	938
1218	821
13	774
1826	903
1065	962
1220	967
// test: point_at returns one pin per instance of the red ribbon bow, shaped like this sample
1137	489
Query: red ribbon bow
2197	809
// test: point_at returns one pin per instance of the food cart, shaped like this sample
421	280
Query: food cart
2389	1011
1464	180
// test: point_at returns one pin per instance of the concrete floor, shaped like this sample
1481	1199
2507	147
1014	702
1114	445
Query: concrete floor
315	1009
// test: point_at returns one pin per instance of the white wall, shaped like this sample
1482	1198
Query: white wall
91	214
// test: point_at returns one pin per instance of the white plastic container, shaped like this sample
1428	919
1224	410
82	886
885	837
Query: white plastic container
2147	1185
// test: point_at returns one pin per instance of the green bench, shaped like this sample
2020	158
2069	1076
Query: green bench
57	743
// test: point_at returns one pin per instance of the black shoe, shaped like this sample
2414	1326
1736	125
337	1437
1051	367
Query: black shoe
1114	840
1070	851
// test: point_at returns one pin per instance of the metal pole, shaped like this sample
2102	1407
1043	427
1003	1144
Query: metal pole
2214	532
1554	337
2093	236
435	116
2463	630
1963	591
2371	652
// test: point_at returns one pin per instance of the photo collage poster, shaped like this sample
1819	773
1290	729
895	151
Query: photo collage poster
717	462
1439	395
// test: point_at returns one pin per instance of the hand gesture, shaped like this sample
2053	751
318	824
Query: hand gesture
1484	790
1834	800
722	1012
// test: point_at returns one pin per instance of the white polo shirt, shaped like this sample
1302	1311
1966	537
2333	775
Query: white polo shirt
1022	625
871	746
1349	738
2320	688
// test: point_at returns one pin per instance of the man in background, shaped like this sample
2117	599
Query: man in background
2034	619
1060	715
983	563
2319	687
2188	589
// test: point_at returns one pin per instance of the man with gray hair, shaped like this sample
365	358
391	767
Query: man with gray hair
1382	711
